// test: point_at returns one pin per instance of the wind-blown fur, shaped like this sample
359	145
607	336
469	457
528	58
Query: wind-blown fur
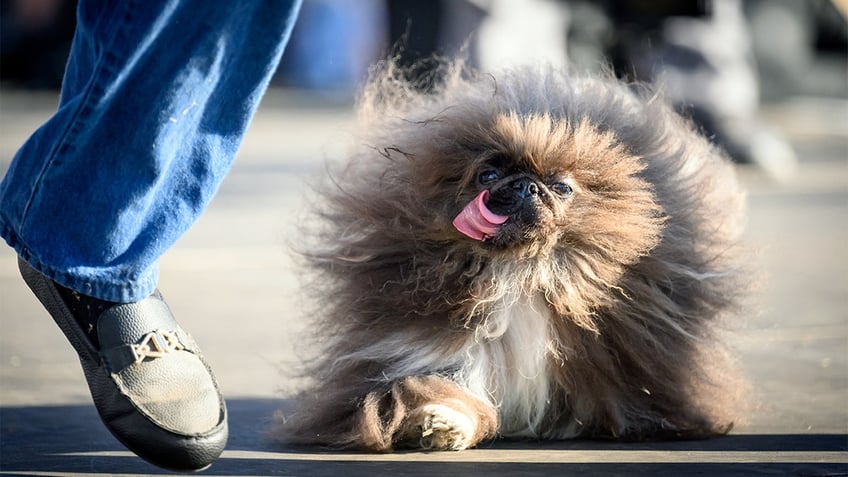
597	318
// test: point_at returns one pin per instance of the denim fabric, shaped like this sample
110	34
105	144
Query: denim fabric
155	101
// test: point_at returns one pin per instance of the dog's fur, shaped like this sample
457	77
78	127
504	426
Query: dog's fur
589	314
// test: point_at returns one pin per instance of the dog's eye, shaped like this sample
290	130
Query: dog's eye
487	177
562	189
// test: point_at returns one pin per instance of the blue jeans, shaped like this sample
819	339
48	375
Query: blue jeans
155	101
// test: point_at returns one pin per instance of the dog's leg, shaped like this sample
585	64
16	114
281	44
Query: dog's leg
428	412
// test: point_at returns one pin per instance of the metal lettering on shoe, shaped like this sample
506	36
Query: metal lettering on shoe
153	345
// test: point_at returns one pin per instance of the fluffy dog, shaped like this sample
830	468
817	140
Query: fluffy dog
526	254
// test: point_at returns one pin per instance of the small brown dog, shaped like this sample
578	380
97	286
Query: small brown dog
524	254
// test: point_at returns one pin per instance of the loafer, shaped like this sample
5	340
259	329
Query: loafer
148	380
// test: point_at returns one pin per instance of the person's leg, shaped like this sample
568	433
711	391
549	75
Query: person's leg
156	98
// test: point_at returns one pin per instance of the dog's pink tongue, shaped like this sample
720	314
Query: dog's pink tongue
477	221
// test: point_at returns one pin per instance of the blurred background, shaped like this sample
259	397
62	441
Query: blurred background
719	61
765	79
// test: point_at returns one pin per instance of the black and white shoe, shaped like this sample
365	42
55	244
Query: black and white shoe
148	379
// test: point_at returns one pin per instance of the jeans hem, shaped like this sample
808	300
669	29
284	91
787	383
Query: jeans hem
120	291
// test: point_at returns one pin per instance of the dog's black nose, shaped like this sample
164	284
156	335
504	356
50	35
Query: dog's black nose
525	187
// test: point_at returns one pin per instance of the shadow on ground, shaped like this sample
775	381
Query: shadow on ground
70	440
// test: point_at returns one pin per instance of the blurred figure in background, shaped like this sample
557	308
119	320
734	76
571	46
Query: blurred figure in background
700	54
705	55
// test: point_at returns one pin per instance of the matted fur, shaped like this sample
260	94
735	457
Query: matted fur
598	320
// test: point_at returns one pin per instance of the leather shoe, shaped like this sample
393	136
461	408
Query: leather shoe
149	382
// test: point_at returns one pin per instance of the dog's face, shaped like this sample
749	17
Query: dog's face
516	205
534	186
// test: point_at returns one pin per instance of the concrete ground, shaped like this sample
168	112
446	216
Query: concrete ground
231	283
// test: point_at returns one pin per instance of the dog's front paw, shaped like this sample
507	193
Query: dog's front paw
438	427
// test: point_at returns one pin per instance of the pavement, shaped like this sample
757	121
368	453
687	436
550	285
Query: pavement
230	281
